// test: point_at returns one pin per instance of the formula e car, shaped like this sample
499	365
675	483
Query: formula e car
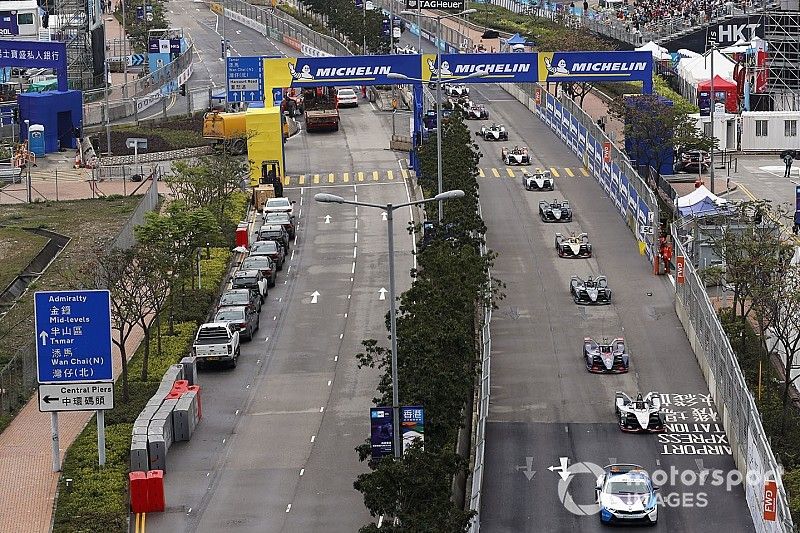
592	291
516	156
573	246
555	211
541	180
495	132
642	414
626	495
605	358
456	89
474	111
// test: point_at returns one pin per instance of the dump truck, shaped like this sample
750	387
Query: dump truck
227	129
320	108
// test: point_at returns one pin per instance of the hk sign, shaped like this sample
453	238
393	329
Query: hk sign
456	5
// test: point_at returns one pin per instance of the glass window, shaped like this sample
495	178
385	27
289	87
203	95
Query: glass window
790	128
761	128
25	18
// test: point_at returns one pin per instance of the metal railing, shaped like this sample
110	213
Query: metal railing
736	405
18	377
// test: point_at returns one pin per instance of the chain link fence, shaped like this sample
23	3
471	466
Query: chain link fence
18	377
736	406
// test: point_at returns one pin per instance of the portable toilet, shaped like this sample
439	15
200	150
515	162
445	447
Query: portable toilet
36	139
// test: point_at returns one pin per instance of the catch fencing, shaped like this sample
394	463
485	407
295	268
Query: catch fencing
18	377
735	404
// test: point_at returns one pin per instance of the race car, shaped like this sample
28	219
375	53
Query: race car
541	180
626	495
555	211
573	246
475	111
456	89
516	156
605	358
641	415
495	132
592	291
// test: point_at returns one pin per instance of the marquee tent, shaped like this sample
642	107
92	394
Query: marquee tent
699	202
659	52
722	85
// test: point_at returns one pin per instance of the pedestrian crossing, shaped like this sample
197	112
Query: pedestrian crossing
399	175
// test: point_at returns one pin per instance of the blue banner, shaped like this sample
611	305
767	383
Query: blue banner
36	54
550	104
590	154
337	71
381	434
622	204
594	66
573	134
556	125
503	67
615	184
642	214
581	140
565	119
606	176
633	200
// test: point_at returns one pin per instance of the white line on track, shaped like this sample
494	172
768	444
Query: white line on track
313	438
329	383
335	358
321	409
288	507
355	249
302	471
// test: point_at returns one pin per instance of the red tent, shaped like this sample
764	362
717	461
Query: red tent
721	85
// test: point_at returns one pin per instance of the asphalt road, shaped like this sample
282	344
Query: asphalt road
545	406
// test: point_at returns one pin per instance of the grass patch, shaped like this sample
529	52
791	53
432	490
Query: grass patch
171	134
17	248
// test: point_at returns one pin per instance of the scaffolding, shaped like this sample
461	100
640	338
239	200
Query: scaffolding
70	23
782	32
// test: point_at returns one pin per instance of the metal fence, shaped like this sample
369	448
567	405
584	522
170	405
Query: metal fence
18	377
736	406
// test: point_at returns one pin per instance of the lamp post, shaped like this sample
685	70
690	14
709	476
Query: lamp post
439	128
389	209
108	114
712	99
28	158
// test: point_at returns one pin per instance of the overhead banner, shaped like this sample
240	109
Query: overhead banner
338	71
596	66
455	5
505	68
36	54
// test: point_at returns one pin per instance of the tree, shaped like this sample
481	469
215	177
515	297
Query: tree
785	323
209	181
156	280
654	129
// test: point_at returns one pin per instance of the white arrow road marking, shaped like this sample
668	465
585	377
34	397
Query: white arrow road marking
382	292
314	296
327	219
527	468
562	469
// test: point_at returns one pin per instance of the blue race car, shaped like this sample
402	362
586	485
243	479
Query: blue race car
626	495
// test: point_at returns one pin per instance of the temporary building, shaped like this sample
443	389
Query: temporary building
723	85
695	70
659	52
699	202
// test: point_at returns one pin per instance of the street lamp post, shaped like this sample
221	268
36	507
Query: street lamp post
28	159
389	209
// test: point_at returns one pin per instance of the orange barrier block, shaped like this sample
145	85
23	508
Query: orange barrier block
155	491
138	491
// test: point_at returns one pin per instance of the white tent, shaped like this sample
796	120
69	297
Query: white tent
697	69
698	195
659	52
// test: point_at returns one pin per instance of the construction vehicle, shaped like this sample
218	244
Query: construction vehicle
227	129
321	109
267	162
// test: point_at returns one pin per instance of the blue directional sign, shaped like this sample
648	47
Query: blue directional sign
73	336
277	95
245	79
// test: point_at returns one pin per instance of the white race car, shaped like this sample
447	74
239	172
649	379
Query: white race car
495	132
541	180
456	89
642	414
476	111
573	246
515	156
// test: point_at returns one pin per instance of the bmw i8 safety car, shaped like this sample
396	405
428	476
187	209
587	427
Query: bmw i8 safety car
515	156
555	211
541	180
605	358
626	495
590	291
495	132
641	414
573	246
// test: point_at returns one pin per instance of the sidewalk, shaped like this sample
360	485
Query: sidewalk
114	32
29	484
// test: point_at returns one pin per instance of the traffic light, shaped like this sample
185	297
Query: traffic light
183	90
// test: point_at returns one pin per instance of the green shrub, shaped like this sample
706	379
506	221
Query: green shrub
173	349
192	306
791	480
138	394
213	270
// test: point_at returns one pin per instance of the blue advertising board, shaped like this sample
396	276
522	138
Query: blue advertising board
615	184
565	119
556	124
36	54
623	194
500	67
581	140
73	336
412	425
573	134
381	434
8	24
245	77
593	66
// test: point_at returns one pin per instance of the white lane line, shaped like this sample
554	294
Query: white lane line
341	335
321	409
353	270
223	441
295	239
300	212
236	413
302	471
355	237
288	507
292	257
355	249
335	358
275	317
313	438
356	226
290	269
345	315
280	299
329	383
355	198
348	296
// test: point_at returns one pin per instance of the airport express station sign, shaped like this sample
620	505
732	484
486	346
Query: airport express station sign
73	336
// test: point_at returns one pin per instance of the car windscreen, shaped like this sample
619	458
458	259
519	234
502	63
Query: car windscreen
269	235
244	280
279	218
229	315
628	487
265	246
278	202
234	298
257	264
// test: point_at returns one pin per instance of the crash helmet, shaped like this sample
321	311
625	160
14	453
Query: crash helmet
639	401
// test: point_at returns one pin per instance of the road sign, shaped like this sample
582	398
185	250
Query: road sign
76	397
680	269
245	79
277	96
457	5
73	336
136	143
770	500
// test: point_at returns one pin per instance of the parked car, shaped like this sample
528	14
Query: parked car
693	161
274	232
216	342
242	317
279	205
251	279
265	264
284	219
271	249
235	297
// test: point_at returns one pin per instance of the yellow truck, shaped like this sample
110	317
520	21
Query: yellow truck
227	129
